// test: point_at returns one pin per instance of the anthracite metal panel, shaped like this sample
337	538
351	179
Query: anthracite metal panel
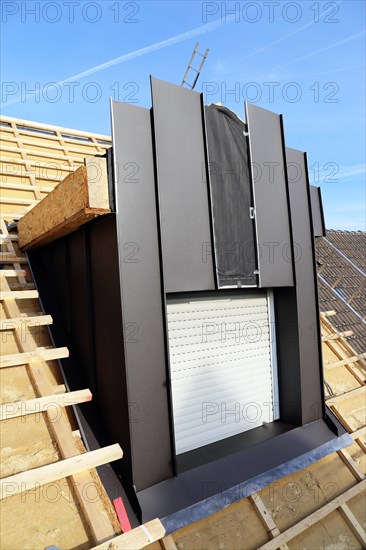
287	343
83	267
317	211
183	192
231	194
80	305
272	217
141	289
108	275
84	300
311	379
106	322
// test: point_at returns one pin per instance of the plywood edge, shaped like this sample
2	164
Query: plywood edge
80	197
97	180
79	218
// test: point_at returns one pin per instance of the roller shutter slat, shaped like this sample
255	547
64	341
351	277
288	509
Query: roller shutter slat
222	371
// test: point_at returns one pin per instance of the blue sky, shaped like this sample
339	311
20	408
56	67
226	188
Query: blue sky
303	59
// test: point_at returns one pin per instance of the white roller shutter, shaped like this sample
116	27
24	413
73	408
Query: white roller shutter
223	369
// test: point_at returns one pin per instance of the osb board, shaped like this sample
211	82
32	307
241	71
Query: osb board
36	157
288	500
47	516
332	533
26	442
235	527
357	506
353	408
340	380
359	457
80	197
294	497
50	515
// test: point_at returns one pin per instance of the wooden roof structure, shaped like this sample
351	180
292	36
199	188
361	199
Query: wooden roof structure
36	157
321	506
341	257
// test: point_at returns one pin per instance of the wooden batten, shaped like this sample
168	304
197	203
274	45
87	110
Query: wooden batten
80	197
49	473
24	358
136	538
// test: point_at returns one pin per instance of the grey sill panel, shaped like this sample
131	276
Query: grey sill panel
193	487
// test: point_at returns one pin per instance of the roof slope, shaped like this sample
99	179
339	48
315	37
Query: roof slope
284	511
341	258
36	157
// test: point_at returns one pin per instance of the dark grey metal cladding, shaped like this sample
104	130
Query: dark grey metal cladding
272	217
220	477
141	291
310	359
106	326
183	194
317	211
81	321
231	197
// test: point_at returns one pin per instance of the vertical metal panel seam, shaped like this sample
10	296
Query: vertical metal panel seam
115	175
251	176
288	198
209	193
322	211
90	320
256	265
163	294
180	265
318	332
68	285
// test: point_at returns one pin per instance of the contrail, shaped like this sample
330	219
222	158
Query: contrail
286	36
198	31
315	52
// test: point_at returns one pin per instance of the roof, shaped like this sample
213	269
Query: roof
320	506
36	157
341	258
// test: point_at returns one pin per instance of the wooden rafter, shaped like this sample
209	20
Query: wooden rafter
36	157
315	517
